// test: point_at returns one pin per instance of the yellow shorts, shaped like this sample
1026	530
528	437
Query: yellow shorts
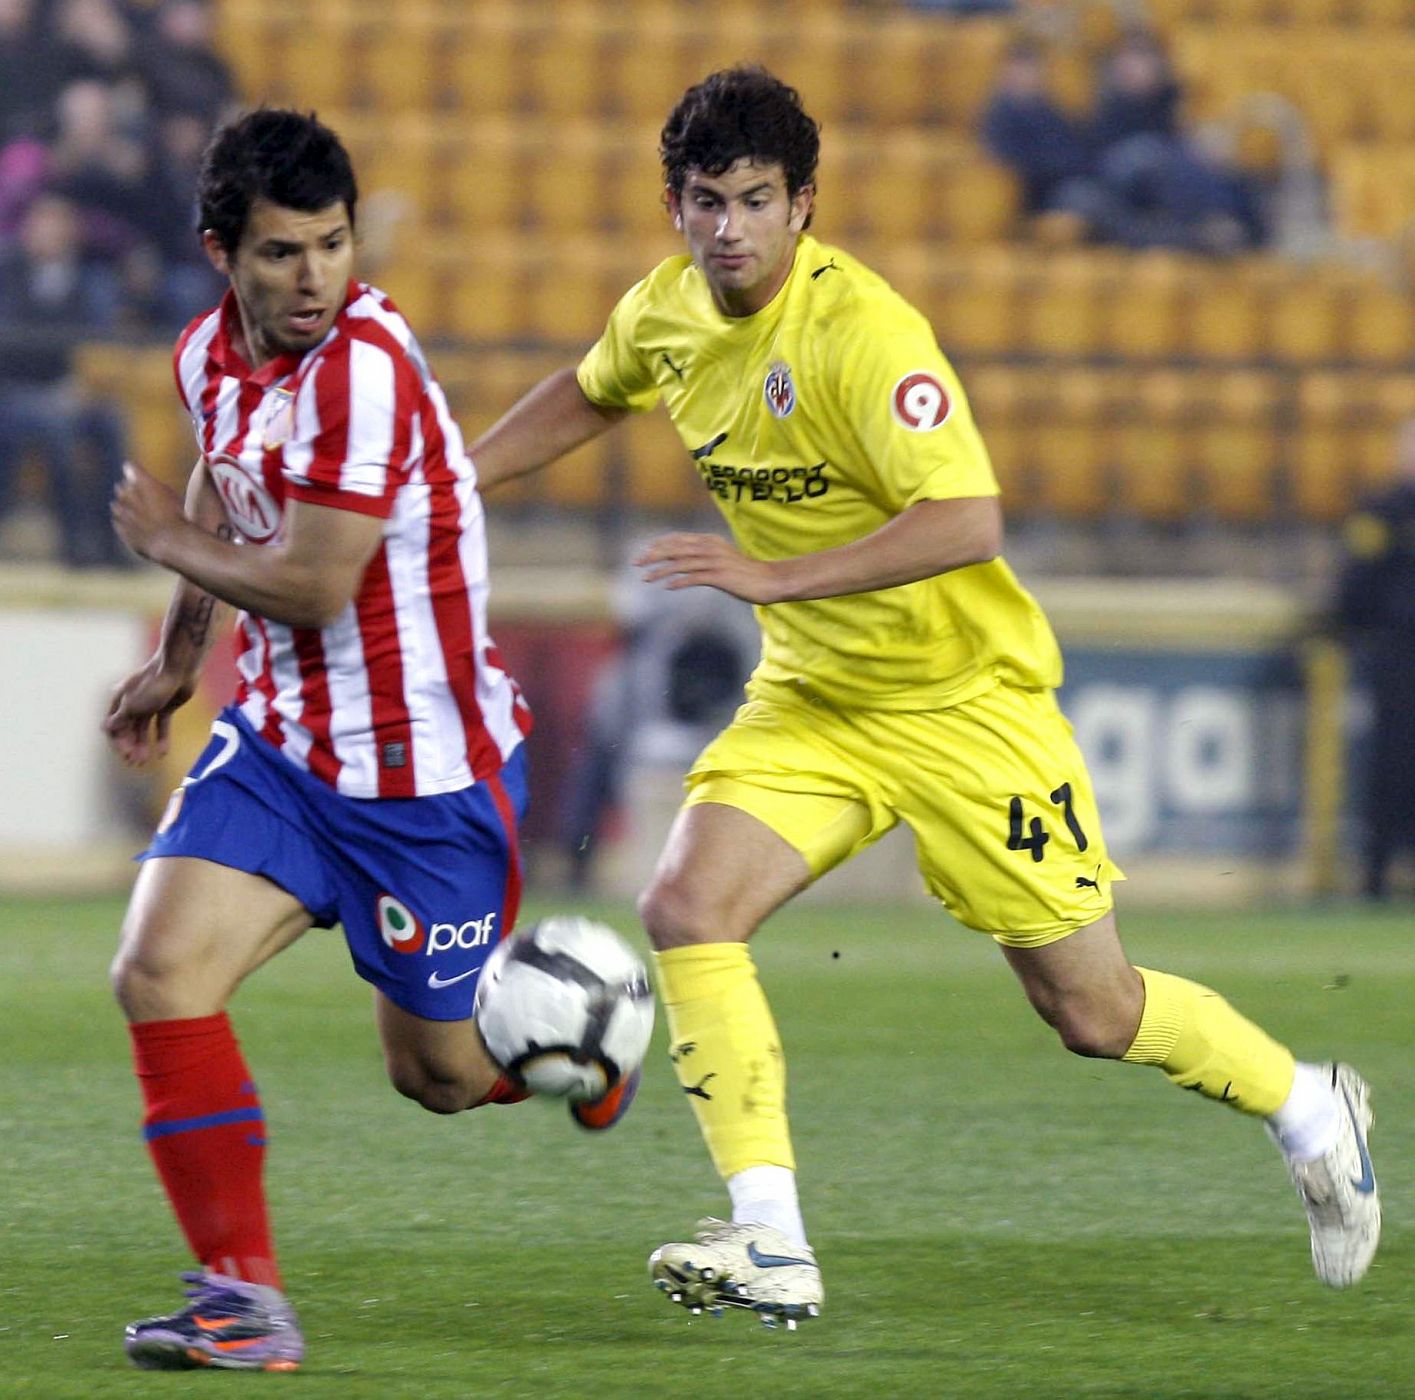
994	789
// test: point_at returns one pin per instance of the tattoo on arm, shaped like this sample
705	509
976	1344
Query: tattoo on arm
194	620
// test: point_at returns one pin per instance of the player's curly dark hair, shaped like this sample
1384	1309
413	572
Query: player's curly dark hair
742	113
290	158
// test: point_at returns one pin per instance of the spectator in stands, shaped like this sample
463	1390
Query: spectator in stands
95	163
27	67
1164	185
1376	605
93	40
179	65
186	283
51	297
1027	129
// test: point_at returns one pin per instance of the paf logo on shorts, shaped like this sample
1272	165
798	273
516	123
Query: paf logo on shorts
399	925
779	389
919	402
249	505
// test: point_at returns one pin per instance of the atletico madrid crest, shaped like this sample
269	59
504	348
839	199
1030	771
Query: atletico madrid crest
779	389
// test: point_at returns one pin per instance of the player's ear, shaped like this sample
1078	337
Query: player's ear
802	202
216	252
675	207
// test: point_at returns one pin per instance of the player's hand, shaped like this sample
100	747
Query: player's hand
709	561
140	712
144	511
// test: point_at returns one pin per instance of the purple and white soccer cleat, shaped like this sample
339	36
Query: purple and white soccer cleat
228	1324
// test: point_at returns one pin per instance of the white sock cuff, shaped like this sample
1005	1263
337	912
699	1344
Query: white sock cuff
766	1195
1309	1120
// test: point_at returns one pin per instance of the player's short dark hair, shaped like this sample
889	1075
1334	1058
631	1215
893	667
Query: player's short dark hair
289	158
742	113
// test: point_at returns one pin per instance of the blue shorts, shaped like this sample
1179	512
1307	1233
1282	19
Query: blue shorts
424	886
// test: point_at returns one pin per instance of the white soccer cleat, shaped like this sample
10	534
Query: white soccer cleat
1339	1189
740	1266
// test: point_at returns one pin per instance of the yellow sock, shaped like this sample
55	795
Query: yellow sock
727	1054
1202	1043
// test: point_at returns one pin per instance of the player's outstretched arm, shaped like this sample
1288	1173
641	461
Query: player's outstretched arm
551	420
306	579
930	537
141	707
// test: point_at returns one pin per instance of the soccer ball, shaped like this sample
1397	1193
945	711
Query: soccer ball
565	1007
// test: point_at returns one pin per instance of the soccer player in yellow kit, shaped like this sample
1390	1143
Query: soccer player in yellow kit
906	675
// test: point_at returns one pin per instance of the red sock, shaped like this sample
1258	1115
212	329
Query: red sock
206	1132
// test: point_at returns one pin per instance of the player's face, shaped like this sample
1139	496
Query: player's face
741	228
290	272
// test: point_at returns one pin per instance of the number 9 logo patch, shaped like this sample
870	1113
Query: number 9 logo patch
920	402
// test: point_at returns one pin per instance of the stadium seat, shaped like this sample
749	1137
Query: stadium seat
1226	314
1073	446
1237	450
398	59
974	300
482	62
1154	478
977	202
658	474
1065	313
1146	314
1306	316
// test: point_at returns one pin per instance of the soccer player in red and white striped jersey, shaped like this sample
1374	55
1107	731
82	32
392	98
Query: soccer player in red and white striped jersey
371	770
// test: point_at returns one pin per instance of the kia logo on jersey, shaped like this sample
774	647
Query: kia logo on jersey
249	506
919	402
779	390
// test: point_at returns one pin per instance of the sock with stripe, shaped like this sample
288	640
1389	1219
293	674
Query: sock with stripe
206	1132
1202	1043
727	1054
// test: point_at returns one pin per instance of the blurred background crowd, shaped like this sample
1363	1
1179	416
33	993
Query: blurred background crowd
1168	243
105	109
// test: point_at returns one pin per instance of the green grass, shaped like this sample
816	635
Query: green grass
994	1217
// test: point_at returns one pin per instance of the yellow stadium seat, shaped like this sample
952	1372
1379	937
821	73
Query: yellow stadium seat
1381	328
658	473
974	301
1074	446
1321	474
1226	315
1066	311
483	61
1146	314
1306	317
978	202
1154	476
397	63
1238	449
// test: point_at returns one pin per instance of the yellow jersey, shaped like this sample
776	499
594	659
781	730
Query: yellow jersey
812	423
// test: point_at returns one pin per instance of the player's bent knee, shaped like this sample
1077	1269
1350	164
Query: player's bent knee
1091	1033
673	918
438	1093
148	989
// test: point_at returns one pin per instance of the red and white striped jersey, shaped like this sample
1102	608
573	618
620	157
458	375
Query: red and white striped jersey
403	694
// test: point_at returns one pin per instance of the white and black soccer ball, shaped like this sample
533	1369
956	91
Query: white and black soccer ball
565	1007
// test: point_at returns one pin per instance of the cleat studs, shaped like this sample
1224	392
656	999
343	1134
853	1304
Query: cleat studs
790	1324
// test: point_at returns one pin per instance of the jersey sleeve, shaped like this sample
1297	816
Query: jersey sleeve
351	422
907	410
613	373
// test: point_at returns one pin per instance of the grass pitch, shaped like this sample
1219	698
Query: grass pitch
994	1217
